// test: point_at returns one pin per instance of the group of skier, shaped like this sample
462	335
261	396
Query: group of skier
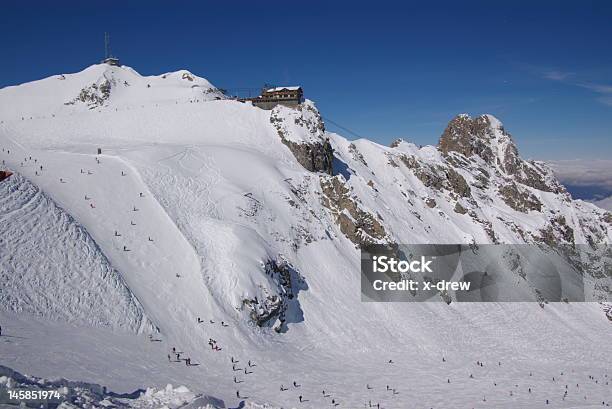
178	357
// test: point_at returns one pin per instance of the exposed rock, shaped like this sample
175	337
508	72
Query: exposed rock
519	199
438	177
457	182
315	157
567	233
556	232
468	137
305	137
356	154
431	203
358	225
485	137
540	298
262	311
396	143
93	96
460	209
482	179
274	303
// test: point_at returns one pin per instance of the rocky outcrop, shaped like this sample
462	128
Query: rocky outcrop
556	232
396	143
431	203
438	177
482	136
357	156
519	199
486	138
459	208
93	96
360	226
302	130
278	305
315	157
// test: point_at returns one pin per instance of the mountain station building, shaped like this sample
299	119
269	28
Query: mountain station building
271	97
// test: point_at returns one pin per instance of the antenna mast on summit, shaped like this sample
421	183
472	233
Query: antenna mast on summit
107	52
108	55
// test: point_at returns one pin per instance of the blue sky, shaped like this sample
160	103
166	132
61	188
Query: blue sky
382	69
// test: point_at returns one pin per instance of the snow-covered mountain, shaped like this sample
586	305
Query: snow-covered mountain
202	209
101	86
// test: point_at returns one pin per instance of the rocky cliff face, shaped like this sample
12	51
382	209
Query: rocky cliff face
471	188
93	96
473	185
276	304
486	138
359	226
302	130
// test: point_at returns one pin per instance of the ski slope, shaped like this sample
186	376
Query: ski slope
50	265
178	218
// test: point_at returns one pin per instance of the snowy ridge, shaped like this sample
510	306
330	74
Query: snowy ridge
101	86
